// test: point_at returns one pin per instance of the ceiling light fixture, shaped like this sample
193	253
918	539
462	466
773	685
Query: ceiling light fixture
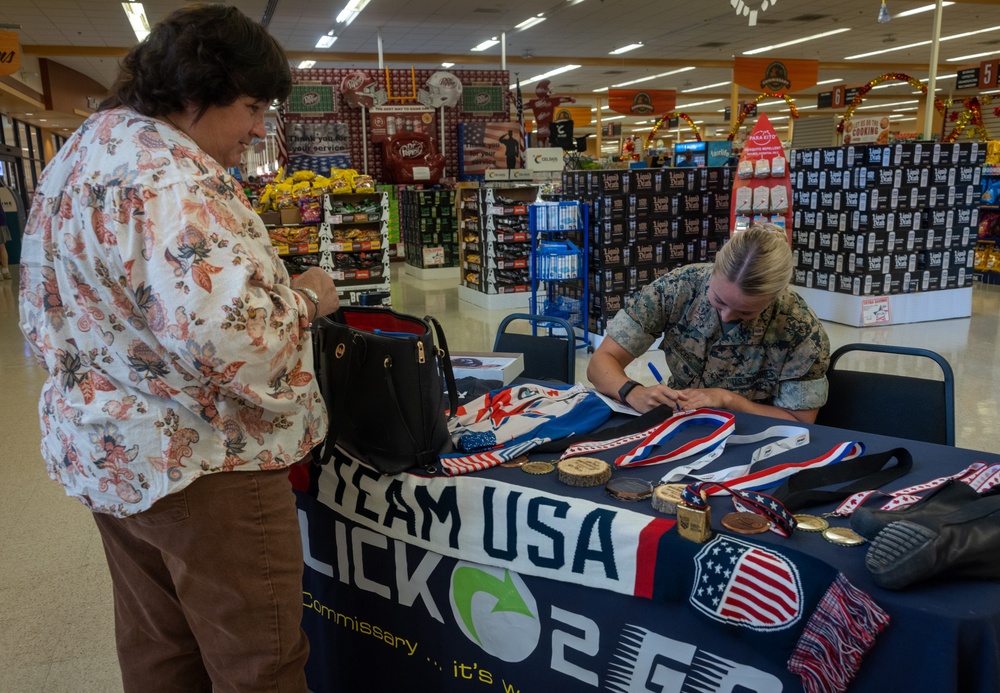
306	64
698	103
546	75
137	18
765	49
351	11
925	43
626	49
969	57
530	22
652	77
446	65
707	86
922	8
886	105
489	43
326	41
830	81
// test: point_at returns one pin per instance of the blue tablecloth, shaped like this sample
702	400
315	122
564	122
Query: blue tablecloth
389	614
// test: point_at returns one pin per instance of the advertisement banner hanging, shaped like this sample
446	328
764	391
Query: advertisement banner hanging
867	130
312	98
773	76
482	98
385	121
316	144
642	101
10	53
487	146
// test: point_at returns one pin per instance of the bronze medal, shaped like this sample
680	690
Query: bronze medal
746	523
518	461
843	536
538	467
629	489
810	523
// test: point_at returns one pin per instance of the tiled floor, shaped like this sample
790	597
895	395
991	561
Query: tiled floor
56	615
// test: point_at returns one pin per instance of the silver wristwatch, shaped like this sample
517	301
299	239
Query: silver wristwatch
311	295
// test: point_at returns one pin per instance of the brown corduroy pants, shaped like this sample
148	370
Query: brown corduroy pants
208	588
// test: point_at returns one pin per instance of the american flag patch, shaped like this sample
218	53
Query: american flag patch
743	584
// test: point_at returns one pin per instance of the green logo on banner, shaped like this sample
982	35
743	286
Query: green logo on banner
312	98
482	99
494	609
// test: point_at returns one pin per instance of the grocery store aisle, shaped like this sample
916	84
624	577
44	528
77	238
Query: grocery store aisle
56	622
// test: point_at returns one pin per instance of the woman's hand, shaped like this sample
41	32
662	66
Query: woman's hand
320	281
710	397
644	399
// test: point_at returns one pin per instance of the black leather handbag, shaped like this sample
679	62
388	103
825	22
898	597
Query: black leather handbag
381	376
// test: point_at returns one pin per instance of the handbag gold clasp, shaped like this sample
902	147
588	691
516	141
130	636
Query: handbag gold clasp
420	352
339	351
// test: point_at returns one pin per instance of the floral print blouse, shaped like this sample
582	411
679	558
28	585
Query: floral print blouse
152	296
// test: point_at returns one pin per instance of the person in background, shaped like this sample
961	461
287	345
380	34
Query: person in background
686	160
180	382
735	336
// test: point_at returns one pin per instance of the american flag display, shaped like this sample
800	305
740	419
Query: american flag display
482	148
520	123
740	583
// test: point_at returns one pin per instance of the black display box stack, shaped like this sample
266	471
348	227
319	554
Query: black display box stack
427	220
645	222
497	253
886	219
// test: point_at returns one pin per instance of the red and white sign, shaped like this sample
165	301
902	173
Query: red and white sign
763	144
386	121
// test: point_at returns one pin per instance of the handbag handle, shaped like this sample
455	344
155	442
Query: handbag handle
445	359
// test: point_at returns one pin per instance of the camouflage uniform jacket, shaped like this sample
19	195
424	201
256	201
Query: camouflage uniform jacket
780	358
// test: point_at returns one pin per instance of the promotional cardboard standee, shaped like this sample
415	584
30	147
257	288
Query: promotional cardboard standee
762	188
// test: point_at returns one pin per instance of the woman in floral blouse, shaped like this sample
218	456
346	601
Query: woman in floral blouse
180	368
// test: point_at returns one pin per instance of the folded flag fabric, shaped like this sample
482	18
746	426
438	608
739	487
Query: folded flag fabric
508	422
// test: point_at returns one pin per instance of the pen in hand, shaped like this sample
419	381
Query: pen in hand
659	379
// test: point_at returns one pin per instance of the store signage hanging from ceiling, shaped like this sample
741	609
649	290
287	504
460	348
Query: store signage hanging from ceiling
10	53
750	9
776	76
642	102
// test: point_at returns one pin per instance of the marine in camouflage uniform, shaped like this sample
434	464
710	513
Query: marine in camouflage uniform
780	358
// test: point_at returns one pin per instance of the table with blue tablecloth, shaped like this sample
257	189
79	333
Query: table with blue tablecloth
506	581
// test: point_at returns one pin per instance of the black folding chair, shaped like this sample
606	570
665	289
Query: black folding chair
894	405
546	356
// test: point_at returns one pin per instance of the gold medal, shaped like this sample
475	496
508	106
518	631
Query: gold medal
810	523
843	536
694	524
518	461
746	523
538	467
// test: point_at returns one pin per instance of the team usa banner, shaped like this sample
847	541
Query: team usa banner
464	582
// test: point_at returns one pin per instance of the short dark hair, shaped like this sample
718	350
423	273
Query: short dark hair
204	55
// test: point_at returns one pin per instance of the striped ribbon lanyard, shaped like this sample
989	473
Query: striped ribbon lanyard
791	437
978	475
708	446
781	520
